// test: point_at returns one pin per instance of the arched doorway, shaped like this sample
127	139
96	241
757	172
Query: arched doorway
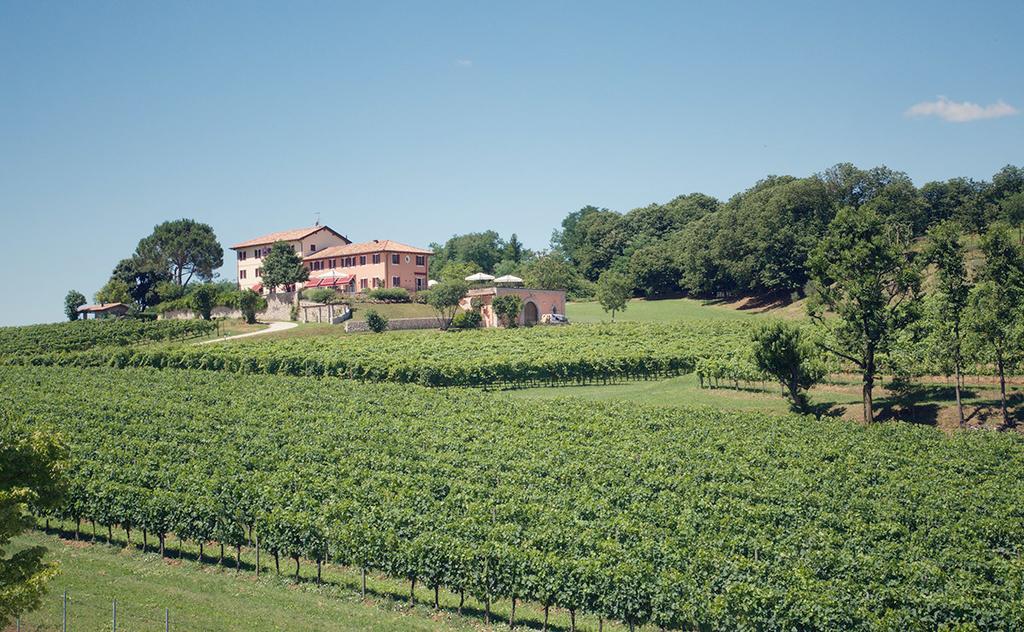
530	316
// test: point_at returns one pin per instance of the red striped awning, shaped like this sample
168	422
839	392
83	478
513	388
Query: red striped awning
331	281
257	288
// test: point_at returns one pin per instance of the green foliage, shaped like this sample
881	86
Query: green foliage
114	291
654	269
454	271
690	519
759	242
867	278
249	303
72	301
148	282
1013	211
32	463
202	300
322	295
184	248
613	291
551	271
507	308
945	250
463	255
376	322
445	297
781	351
389	295
31	340
282	267
466	320
996	306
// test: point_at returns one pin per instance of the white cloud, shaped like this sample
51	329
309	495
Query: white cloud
961	112
465	63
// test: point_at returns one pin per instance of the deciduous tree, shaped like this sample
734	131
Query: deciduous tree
72	302
613	291
780	350
996	315
283	267
866	276
445	297
32	465
249	303
202	300
945	251
115	291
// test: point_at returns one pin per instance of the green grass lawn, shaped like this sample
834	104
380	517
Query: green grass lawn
393	310
930	403
208	597
666	310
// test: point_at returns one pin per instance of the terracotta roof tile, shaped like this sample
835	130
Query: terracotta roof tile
367	247
284	235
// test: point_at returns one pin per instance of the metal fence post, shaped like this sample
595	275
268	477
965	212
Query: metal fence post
64	613
115	615
167	619
17	624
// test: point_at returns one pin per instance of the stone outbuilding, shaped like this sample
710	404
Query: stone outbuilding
104	310
536	303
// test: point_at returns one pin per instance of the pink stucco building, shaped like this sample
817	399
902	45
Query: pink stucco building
536	303
334	261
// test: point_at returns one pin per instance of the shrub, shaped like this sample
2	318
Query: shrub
203	299
321	295
389	295
467	320
249	303
376	322
445	298
507	308
781	351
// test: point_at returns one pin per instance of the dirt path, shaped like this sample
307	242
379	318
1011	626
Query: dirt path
274	326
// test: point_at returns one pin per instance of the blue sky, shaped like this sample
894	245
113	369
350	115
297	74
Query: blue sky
414	121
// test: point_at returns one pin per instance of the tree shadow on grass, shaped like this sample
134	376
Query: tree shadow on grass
824	409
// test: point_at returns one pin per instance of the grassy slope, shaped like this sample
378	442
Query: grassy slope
930	404
206	597
668	310
393	310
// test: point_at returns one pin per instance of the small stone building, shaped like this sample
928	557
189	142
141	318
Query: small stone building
104	310
536	303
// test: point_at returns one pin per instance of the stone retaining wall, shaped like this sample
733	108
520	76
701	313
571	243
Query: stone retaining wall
279	307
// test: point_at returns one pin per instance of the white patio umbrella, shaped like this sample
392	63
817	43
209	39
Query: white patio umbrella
431	283
508	278
480	276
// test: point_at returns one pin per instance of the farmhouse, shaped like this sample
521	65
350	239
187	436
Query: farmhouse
334	261
104	310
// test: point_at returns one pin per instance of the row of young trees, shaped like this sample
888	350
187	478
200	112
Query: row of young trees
870	311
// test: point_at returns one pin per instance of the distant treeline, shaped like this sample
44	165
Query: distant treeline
757	242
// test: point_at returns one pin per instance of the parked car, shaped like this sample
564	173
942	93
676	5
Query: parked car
554	319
